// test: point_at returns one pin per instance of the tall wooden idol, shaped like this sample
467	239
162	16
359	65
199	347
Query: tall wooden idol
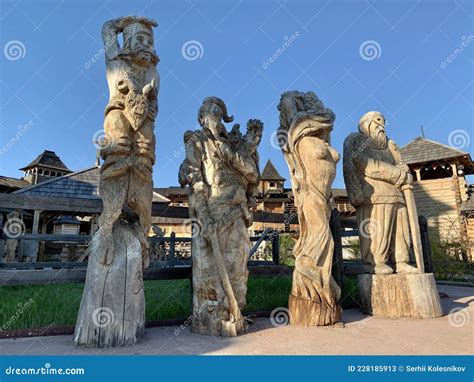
112	309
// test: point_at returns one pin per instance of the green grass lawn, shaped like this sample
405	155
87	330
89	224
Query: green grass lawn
58	304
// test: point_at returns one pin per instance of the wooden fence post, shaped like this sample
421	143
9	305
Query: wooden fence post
337	260
425	244
275	247
172	248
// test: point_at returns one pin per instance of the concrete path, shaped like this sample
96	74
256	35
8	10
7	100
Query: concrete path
451	334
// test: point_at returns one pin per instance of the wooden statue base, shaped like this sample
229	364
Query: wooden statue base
221	328
400	295
112	311
311	313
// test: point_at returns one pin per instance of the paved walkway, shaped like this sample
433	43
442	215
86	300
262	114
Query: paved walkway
451	334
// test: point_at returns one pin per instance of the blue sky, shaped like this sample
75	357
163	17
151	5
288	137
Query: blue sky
411	60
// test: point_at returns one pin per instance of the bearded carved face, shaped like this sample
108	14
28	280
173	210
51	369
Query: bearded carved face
372	124
138	43
211	116
377	131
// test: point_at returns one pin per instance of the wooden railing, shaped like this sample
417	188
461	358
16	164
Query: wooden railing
173	254
341	228
175	267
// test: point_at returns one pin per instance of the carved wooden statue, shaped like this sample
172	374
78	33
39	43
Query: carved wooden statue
221	169
12	227
304	132
113	306
379	186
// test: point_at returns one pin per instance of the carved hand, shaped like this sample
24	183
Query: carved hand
405	176
255	124
408	179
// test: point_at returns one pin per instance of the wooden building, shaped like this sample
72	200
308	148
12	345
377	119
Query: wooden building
440	186
272	199
45	166
44	195
8	184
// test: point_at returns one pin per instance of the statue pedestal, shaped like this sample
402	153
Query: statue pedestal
400	295
221	328
312	313
112	311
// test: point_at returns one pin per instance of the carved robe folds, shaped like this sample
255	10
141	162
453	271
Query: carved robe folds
305	126
221	169
379	186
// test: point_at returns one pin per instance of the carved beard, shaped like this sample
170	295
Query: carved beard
379	139
215	128
136	109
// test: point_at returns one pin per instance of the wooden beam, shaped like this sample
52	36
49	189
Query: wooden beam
417	174
94	206
19	201
77	275
36	218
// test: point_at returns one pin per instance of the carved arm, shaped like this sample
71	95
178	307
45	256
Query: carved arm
379	170
244	164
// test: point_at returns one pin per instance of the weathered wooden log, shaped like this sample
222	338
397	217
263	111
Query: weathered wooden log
311	313
400	295
112	311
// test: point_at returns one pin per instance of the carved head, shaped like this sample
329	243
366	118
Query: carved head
138	43
372	124
302	114
212	111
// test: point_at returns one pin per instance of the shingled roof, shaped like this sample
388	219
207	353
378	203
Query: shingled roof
422	150
47	159
12	183
77	185
270	172
172	191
